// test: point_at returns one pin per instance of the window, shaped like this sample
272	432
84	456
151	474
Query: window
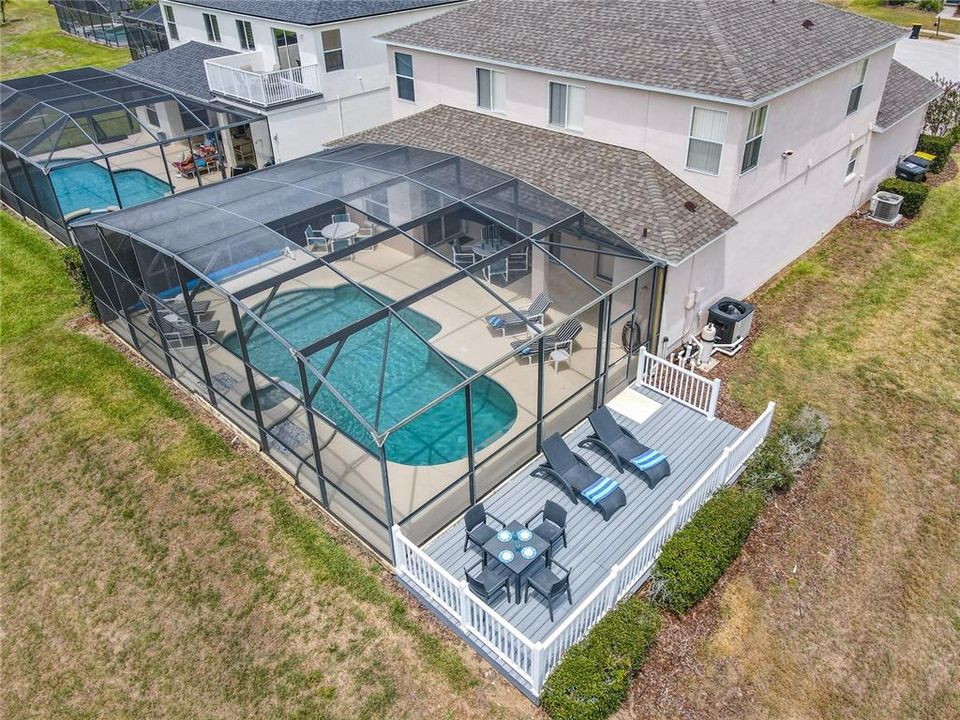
566	106
152	116
751	151
171	23
212	26
245	32
852	163
403	63
853	104
707	131
288	51
491	89
332	50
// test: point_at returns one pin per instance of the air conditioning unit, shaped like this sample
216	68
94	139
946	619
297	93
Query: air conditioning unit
885	207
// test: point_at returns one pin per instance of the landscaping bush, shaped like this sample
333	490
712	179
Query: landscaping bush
767	470
73	261
933	6
914	194
939	145
695	558
786	452
593	678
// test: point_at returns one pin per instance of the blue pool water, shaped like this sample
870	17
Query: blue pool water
88	185
415	375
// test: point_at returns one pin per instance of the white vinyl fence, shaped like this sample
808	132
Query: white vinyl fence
682	385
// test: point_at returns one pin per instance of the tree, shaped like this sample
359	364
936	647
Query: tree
943	114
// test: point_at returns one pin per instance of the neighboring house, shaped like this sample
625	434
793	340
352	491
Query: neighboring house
312	67
785	115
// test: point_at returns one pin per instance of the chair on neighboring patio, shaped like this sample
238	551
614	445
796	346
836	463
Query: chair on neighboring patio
463	259
551	586
316	241
488	583
518	320
623	448
340	217
552	527
562	339
578	478
477	530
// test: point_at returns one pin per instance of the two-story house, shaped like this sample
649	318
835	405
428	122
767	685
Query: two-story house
785	115
312	67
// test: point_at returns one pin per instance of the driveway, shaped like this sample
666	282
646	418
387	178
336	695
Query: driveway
929	56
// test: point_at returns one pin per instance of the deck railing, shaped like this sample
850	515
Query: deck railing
682	385
533	661
263	88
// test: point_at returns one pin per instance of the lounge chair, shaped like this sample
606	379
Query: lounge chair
562	339
518	320
578	478
624	449
176	306
177	330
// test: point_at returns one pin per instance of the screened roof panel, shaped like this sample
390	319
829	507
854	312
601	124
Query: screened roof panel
460	177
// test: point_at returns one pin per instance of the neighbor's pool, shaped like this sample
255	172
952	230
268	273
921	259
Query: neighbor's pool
88	185
415	375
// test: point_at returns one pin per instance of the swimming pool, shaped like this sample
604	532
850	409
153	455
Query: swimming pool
415	375
88	185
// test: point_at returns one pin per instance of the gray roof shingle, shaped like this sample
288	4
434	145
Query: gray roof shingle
904	92
627	190
736	49
179	69
314	12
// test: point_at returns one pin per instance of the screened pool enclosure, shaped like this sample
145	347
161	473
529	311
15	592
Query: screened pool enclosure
364	314
86	141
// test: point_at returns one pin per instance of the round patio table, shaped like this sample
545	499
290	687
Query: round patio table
340	230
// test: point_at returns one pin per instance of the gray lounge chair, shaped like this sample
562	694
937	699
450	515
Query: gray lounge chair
578	478
624	449
518	320
562	339
177	306
179	331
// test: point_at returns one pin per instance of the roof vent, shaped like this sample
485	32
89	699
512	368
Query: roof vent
644	232
807	24
690	205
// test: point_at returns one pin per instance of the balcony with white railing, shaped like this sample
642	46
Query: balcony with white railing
242	77
673	412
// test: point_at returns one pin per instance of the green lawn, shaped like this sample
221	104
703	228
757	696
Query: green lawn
31	42
905	15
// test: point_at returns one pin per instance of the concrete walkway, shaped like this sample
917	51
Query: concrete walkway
930	56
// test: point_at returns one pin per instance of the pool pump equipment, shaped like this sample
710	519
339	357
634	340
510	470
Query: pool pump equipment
728	325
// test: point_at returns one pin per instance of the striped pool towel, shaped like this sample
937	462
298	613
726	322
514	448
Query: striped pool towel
649	459
599	490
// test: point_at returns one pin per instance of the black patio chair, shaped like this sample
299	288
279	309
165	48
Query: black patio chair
553	525
550	585
477	530
487	584
624	449
578	478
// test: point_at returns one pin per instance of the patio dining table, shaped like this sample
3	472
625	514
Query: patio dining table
519	562
340	230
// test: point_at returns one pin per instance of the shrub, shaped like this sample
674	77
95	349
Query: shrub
944	112
695	558
933	6
914	194
593	678
801	436
73	262
767	470
939	145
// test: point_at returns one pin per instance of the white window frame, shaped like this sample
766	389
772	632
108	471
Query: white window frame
171	19
411	78
690	137
212	26
245	32
852	161
757	138
492	99
153	117
858	87
566	110
332	51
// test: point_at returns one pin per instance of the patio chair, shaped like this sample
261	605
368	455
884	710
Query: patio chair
477	530
551	586
176	305
518	320
562	339
463	259
340	217
490	232
488	583
316	240
497	268
552	526
518	263
623	448
578	478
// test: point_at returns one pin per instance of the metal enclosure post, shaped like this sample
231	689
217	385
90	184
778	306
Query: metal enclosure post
250	381
540	349
603	353
311	426
385	480
468	408
197	336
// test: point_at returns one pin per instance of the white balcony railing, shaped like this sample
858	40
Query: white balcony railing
682	385
260	87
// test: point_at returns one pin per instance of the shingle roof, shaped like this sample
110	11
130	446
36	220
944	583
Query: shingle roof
625	189
904	92
314	12
179	69
736	49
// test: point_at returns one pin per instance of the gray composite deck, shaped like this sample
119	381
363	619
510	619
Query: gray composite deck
691	443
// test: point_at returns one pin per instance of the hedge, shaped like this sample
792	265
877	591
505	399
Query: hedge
593	678
914	194
785	453
939	146
73	262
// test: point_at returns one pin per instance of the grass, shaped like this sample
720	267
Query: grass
846	601
151	570
31	42
904	15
